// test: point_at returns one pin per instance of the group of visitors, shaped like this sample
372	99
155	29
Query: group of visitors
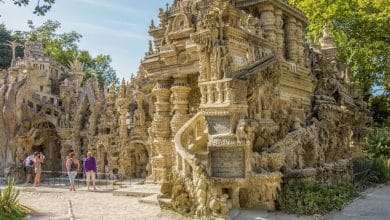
73	166
33	165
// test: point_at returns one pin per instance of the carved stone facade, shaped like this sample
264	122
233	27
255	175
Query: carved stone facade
45	107
270	110
228	103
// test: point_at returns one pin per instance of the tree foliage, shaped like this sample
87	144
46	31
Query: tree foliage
378	143
361	30
41	6
63	47
5	50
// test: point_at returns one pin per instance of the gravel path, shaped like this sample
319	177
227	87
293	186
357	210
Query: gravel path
58	203
374	204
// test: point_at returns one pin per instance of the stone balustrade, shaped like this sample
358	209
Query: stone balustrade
225	91
190	138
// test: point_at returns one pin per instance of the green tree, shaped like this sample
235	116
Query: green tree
62	47
361	30
5	50
41	6
380	107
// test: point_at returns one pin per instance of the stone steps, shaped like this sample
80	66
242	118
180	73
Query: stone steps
149	200
138	190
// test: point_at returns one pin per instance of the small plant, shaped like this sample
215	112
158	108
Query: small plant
10	208
371	171
307	198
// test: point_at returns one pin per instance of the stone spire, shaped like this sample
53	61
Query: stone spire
123	88
328	46
150	52
77	70
326	40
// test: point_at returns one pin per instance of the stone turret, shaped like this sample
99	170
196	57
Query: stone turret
328	46
33	49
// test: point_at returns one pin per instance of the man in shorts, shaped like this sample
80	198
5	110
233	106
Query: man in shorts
29	165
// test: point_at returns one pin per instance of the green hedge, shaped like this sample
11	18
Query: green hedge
307	198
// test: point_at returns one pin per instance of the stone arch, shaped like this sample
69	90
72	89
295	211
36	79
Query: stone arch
102	158
44	138
142	159
180	22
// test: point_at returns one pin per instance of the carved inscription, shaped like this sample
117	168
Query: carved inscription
228	163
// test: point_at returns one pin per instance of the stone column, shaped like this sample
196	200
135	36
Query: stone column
93	118
268	20
122	122
300	44
162	162
203	91
279	33
236	197
180	92
292	49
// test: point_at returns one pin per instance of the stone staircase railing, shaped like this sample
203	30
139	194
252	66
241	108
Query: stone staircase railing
190	143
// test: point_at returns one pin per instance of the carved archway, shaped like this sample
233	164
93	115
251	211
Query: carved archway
43	138
101	158
142	159
180	22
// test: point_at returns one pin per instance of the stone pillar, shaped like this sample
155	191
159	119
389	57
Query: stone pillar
236	197
203	91
162	162
268	20
279	33
122	122
300	43
180	92
292	49
93	118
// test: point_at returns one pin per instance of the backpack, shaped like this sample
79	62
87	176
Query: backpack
30	162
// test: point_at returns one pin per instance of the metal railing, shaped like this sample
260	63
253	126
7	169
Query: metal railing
56	178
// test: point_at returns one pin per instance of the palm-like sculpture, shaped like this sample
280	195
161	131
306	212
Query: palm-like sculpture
13	45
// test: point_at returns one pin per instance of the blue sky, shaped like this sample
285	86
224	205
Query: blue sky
115	27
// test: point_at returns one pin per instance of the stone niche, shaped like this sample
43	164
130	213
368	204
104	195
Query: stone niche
218	124
227	163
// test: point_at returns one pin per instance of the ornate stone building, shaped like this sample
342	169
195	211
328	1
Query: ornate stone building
228	103
243	105
46	108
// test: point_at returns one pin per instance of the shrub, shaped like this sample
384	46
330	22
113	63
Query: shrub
371	171
307	198
378	143
10	208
